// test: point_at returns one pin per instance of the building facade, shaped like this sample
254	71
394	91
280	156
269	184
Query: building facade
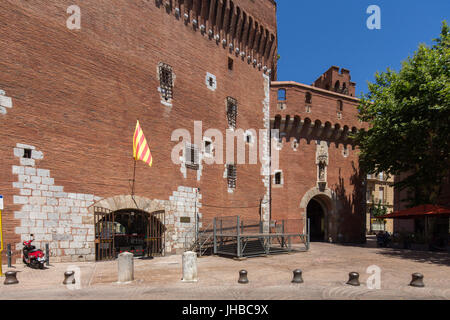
319	178
200	76
71	98
380	195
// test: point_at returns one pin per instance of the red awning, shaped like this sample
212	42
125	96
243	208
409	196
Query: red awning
427	210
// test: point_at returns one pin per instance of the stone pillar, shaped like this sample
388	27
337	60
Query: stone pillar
190	267
126	267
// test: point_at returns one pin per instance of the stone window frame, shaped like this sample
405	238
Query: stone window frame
189	162
212	149
295	144
281	179
166	90
250	134
282	106
308	108
209	77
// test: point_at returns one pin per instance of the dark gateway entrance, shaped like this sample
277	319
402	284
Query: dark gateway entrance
316	215
128	230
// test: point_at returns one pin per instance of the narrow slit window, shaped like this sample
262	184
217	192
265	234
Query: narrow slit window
231	176
340	106
232	112
308	98
230	64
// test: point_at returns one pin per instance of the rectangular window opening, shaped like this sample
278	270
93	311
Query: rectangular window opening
27	153
278	178
230	64
232	112
208	147
192	157
166	81
231	176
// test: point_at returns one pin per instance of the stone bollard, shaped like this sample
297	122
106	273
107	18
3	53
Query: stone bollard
353	279
190	267
243	277
69	277
297	276
126	267
417	280
11	278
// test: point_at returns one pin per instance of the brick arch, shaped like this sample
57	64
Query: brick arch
126	202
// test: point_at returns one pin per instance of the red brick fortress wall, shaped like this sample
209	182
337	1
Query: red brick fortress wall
314	124
76	96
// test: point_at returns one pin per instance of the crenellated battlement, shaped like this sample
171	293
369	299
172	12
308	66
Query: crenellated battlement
338	80
234	26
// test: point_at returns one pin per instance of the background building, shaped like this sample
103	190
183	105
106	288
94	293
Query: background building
380	194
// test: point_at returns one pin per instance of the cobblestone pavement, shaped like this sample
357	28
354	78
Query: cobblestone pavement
325	271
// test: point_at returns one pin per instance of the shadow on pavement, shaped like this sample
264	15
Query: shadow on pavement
440	258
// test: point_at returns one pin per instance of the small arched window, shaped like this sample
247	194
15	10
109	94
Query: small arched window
337	86
281	94
308	98
278	179
340	106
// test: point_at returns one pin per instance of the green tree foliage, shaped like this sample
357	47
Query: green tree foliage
409	122
379	210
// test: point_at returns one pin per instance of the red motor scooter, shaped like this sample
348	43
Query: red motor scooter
32	257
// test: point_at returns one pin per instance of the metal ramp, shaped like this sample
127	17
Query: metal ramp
235	237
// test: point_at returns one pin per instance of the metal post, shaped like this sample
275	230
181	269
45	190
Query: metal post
283	240
215	236
196	218
309	233
9	253
1	242
238	238
47	254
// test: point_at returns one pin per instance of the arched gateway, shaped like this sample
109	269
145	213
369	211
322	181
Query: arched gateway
123	224
318	206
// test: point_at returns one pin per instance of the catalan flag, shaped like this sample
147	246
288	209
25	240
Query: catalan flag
141	150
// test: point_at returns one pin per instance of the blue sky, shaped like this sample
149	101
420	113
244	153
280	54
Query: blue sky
314	35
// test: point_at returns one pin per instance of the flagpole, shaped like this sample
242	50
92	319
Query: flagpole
134	178
132	186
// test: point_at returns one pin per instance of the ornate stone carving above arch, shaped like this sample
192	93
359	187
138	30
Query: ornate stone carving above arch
126	202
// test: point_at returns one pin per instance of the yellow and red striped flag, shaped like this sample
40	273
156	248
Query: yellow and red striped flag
141	150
